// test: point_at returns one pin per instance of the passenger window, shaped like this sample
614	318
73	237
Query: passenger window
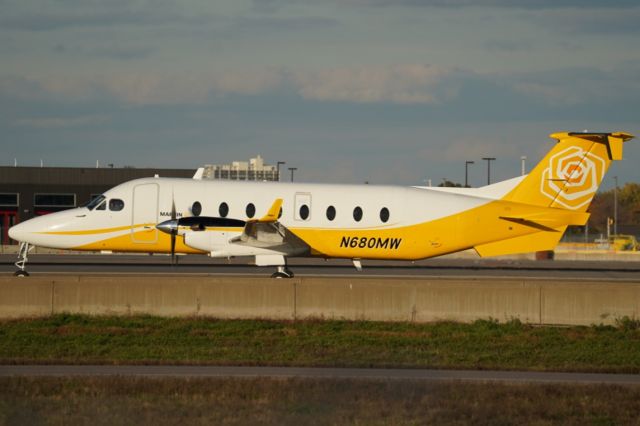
331	212
223	210
251	210
304	212
357	214
196	208
384	214
115	204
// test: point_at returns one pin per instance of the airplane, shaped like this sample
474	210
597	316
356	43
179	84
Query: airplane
274	221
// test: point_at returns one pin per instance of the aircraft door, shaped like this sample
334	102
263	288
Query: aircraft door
302	209
145	213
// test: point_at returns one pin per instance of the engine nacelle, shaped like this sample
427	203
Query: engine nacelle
217	243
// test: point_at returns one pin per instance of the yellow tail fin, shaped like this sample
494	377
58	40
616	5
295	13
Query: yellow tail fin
570	174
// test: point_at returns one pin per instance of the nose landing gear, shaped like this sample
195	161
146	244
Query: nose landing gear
21	264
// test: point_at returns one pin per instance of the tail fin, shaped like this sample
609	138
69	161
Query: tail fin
570	174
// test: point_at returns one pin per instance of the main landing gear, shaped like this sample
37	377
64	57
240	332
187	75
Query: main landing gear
283	272
21	264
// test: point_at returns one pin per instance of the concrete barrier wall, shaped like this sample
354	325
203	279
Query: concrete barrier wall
397	299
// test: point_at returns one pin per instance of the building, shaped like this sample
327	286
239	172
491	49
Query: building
254	169
26	192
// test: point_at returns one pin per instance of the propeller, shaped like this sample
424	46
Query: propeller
171	227
195	223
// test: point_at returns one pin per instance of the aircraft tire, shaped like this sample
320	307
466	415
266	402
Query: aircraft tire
281	275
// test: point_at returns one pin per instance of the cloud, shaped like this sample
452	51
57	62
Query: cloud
520	4
400	84
599	21
446	91
17	87
267	23
183	88
54	15
207	20
107	51
267	6
62	122
572	86
508	45
141	88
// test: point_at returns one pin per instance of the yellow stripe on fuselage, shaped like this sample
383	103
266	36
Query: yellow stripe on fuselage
96	231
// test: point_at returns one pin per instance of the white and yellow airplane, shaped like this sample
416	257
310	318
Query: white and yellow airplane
275	221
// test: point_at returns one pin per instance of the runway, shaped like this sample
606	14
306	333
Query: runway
160	264
160	371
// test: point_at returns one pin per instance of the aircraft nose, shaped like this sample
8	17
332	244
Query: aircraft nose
18	232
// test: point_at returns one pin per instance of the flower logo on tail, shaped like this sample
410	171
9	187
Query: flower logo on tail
572	177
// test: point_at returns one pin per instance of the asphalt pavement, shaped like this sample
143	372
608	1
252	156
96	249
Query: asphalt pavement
440	267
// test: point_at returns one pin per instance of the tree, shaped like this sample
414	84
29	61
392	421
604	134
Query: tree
448	183
628	207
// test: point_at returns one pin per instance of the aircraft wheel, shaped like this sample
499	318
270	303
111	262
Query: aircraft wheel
279	275
21	273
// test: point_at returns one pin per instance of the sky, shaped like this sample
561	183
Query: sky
384	91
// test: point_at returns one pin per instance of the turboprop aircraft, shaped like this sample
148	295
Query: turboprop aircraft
275	221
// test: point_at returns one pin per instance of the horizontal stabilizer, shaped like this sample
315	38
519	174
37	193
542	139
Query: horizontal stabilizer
613	141
548	220
538	241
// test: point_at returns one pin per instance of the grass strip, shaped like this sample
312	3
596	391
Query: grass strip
109	401
480	345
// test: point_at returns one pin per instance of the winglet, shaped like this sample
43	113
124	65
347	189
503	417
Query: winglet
273	213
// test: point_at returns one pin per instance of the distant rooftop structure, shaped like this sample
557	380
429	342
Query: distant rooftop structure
254	169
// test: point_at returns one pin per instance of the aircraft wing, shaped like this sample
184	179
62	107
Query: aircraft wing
268	233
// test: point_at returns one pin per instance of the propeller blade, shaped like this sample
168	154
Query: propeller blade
171	227
174	230
173	248
173	207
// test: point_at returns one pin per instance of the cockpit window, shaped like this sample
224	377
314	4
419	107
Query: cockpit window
115	204
95	202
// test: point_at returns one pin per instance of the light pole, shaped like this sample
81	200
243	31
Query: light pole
488	160
278	168
292	169
523	159
466	173
615	207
